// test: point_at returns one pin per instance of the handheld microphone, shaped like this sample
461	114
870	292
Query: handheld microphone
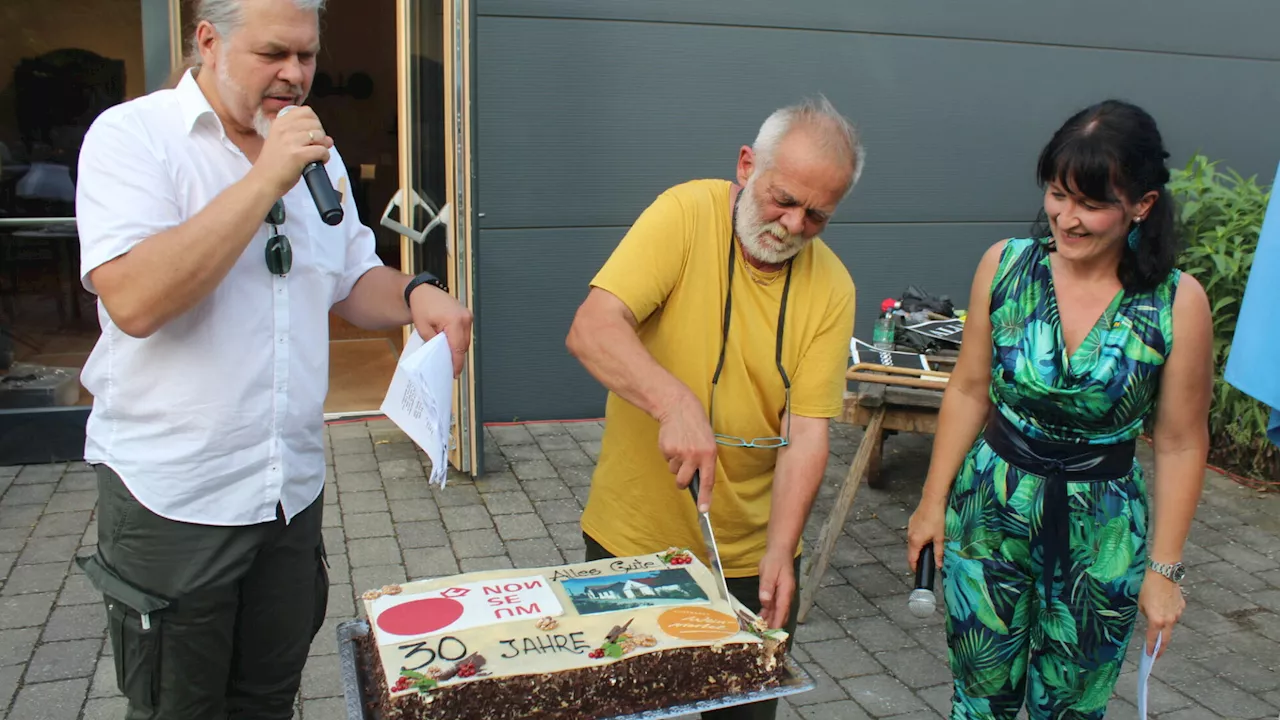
922	602
322	192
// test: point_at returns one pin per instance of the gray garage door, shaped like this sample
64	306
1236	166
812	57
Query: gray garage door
586	111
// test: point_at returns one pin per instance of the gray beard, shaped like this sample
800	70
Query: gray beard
261	124
750	228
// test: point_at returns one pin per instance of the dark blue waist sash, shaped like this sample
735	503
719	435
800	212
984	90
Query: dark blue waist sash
1058	463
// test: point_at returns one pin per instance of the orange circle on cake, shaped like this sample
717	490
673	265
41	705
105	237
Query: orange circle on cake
695	623
419	617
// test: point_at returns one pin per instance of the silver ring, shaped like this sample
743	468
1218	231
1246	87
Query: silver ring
311	135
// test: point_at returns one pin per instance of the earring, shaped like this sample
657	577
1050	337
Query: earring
1135	235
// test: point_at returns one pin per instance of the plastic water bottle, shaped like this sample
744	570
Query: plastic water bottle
882	335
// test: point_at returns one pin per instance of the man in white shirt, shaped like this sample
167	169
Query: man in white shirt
215	276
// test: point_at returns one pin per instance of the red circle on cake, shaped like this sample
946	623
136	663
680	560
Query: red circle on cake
419	617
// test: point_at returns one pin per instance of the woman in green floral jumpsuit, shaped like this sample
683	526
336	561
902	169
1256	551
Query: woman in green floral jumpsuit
1075	341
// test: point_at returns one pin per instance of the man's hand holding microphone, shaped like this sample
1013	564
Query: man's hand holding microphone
298	146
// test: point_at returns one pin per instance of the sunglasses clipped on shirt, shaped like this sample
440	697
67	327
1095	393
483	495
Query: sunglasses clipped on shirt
279	251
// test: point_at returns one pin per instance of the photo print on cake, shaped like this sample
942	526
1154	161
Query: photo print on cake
610	593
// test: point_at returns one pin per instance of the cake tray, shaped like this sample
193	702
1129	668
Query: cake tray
360	707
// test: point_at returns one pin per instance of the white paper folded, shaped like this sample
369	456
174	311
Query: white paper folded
1144	675
420	399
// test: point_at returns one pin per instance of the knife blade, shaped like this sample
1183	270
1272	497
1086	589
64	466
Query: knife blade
709	539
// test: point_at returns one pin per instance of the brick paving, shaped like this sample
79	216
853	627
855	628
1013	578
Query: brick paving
383	523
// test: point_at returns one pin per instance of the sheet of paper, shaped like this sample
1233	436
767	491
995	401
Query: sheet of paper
420	399
1144	675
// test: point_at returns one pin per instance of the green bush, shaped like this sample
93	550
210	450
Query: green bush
1220	217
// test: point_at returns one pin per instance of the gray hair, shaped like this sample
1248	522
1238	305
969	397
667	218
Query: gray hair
834	132
227	16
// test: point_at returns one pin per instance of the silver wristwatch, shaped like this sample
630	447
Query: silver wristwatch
1174	572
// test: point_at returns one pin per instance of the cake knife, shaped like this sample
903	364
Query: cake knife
709	539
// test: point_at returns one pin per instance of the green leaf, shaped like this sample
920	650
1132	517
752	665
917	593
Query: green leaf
1018	552
969	595
1058	623
1023	502
1007	324
1022	611
953	525
980	543
976	653
1058	672
413	675
612	649
1115	552
1001	480
1098	691
1018	669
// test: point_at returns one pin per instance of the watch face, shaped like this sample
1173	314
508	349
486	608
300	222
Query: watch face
1179	571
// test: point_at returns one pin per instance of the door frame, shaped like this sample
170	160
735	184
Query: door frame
38	435
458	213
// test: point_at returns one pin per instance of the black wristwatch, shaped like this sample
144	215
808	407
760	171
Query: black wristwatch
422	278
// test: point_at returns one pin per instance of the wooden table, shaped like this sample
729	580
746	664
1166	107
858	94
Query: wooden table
888	399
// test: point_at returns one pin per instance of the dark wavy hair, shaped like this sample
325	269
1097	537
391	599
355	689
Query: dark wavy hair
1111	148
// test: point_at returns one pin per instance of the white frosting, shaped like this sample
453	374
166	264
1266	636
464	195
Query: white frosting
551	619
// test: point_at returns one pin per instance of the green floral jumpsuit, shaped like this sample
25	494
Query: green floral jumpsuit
1009	639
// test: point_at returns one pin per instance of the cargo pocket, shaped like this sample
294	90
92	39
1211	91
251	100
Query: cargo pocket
134	621
321	589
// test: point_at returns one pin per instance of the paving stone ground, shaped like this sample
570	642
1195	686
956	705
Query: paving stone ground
383	524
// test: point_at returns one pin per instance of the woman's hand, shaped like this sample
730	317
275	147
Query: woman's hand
1161	601
928	525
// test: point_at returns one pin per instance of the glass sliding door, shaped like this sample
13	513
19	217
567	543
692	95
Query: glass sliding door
433	209
61	64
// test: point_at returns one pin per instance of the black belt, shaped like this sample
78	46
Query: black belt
1058	463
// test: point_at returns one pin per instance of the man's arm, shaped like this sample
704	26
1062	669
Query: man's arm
146	278
603	338
796	481
376	302
634	282
817	395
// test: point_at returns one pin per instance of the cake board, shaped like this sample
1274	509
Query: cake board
354	670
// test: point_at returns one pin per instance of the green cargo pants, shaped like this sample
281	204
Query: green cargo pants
207	622
747	591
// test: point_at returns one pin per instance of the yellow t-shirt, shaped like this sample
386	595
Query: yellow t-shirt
671	270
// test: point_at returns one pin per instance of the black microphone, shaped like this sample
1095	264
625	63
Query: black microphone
322	192
922	602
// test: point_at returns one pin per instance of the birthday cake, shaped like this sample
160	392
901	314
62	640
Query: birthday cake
587	640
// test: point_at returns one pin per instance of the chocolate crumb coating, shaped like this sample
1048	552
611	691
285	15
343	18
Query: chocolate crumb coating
636	684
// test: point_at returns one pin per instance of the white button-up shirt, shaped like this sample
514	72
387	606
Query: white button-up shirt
219	415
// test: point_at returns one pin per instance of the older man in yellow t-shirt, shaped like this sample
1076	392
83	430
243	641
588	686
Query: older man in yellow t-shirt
720	326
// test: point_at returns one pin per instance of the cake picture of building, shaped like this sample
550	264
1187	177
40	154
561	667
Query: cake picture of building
634	590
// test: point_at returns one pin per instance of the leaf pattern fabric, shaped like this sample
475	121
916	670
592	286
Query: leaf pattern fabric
1009	646
1102	393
